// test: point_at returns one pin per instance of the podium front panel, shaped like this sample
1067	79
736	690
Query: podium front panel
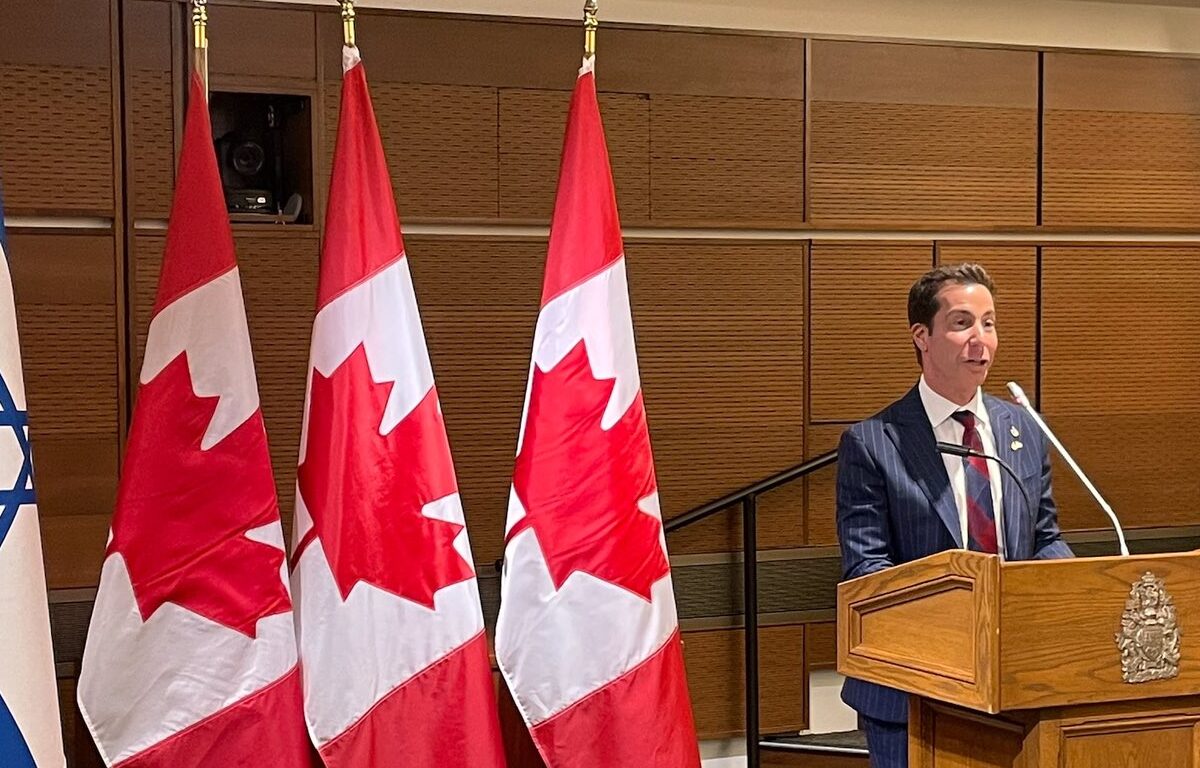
1073	631
927	627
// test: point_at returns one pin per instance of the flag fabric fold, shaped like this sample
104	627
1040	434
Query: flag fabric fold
588	637
191	654
30	735
389	621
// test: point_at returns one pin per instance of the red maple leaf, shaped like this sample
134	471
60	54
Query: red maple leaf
365	491
182	513
581	484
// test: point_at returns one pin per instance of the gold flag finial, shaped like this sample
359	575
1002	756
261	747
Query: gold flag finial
200	38
348	22
200	23
589	28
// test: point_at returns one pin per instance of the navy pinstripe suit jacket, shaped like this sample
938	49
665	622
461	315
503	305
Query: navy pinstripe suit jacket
895	504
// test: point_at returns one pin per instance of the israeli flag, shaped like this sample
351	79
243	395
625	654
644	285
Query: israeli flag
30	735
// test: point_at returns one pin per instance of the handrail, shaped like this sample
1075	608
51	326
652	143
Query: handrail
759	488
748	497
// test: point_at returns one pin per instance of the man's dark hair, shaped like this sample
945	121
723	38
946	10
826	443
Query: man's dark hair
923	295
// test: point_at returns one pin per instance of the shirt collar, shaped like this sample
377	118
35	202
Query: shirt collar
938	408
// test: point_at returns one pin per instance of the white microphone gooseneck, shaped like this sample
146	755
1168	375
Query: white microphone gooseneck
1019	395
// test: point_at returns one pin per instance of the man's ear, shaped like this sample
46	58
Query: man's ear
920	336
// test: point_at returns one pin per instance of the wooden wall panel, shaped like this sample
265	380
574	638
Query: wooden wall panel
1119	372
1014	271
922	136
531	135
278	270
862	353
725	160
715	661
66	294
727	123
720	329
702	63
73	546
1122	141
431	49
545	54
57	122
820	645
440	141
781	517
284	47
150	108
718	139
820	494
66	306
145	260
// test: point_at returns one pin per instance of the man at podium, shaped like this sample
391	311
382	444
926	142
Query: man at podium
900	499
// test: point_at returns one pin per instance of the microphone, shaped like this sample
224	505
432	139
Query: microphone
1023	401
962	450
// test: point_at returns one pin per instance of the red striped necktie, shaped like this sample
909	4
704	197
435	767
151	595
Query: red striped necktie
981	515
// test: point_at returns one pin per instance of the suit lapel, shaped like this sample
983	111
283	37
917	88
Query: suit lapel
1014	504
914	440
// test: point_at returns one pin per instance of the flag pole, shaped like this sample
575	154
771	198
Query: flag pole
200	40
590	23
348	16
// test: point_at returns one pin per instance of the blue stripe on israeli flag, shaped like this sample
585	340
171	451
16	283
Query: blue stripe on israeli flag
30	734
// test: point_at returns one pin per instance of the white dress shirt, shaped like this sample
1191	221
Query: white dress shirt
948	430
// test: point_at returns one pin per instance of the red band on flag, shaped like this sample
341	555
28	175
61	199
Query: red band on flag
585	234
642	718
264	730
199	238
362	228
443	716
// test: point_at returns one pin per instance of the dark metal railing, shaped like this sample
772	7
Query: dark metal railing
748	498
757	489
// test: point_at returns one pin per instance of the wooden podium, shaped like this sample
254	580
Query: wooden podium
1082	663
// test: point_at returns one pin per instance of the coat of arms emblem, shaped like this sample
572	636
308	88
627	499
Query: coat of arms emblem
1149	636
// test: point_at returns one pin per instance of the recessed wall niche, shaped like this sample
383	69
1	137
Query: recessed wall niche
263	143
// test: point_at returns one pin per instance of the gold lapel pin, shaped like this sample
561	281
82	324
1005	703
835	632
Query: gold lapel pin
1016	445
1014	431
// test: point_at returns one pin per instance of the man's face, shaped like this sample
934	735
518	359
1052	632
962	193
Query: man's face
958	351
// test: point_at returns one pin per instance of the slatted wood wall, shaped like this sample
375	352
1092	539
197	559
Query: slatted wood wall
59	157
1122	141
1118	376
475	132
756	352
923	136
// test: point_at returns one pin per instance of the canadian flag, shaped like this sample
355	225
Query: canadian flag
191	655
588	637
391	632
